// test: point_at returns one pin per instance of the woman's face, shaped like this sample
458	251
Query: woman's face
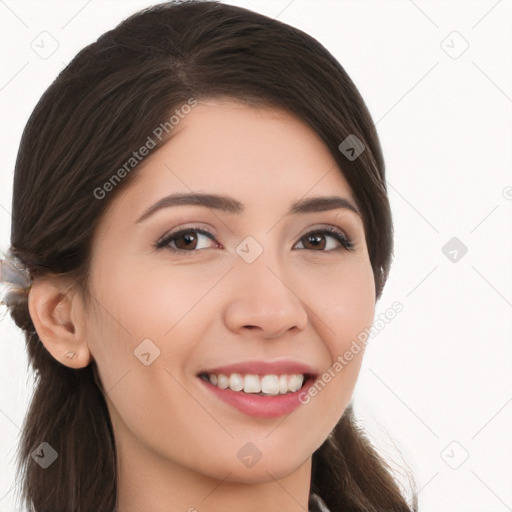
254	285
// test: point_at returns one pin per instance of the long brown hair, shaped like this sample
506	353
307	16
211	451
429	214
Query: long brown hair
100	109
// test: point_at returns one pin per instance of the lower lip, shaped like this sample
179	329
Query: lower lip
257	405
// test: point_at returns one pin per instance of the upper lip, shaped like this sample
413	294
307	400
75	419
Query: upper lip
263	367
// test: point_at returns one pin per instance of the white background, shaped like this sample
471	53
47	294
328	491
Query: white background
435	386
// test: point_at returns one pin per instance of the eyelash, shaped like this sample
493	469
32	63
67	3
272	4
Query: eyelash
331	231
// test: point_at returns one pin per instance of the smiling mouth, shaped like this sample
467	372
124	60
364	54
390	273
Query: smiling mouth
262	385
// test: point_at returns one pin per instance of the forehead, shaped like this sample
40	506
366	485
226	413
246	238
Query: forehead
266	158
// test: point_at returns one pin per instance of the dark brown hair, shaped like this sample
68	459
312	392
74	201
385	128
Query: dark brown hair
100	109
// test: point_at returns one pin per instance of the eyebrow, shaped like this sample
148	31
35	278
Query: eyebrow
230	205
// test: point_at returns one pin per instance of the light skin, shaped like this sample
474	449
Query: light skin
206	306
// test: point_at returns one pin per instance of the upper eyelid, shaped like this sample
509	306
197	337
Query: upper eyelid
200	227
203	230
178	230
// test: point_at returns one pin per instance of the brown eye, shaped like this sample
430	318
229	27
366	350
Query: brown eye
318	240
186	240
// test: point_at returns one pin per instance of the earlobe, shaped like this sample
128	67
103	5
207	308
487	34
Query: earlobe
53	311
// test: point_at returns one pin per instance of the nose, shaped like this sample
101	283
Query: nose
263	301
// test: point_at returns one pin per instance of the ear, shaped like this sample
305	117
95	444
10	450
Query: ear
57	314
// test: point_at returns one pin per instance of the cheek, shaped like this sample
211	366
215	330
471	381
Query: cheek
151	302
343	304
153	400
153	317
343	300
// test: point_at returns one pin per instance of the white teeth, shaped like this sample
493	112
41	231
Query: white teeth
295	382
270	385
283	384
222	381
251	383
236	382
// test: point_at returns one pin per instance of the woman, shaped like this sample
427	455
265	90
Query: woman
202	225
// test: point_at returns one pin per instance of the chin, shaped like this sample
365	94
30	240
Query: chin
266	469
